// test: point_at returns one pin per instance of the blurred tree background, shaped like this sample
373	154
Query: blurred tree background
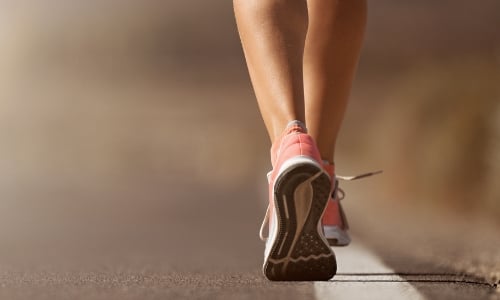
99	94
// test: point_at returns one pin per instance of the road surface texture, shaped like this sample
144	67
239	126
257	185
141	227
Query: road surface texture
190	241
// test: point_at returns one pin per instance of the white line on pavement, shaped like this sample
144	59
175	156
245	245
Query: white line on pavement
362	275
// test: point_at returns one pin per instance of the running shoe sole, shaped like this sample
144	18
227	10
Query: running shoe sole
299	251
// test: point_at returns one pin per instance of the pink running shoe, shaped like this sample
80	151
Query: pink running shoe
334	220
299	188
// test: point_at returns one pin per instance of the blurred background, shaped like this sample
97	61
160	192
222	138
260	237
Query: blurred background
123	123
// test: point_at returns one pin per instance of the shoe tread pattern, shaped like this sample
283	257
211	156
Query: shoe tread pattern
311	257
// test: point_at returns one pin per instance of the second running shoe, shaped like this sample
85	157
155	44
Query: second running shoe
335	226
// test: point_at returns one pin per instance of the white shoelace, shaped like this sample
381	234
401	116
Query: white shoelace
340	197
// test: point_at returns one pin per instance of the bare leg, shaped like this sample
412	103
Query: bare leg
273	35
334	40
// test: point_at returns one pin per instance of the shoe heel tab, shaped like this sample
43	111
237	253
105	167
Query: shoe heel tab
295	126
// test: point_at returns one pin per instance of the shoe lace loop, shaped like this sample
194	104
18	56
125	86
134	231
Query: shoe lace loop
263	225
337	192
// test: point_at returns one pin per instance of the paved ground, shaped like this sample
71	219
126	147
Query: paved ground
202	245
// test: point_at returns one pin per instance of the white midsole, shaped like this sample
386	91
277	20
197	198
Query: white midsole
337	233
297	160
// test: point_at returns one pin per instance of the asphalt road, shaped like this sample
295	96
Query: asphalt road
201	244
